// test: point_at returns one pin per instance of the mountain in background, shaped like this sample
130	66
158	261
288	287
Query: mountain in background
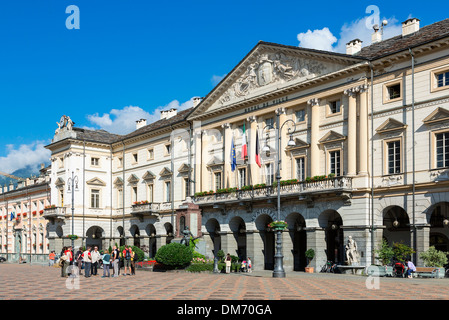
27	172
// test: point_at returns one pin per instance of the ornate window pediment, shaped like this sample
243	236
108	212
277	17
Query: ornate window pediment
96	181
332	136
438	115
118	181
184	168
391	125
133	179
149	175
165	172
59	182
299	144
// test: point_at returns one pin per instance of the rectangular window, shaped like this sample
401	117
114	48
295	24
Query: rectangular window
300	115
394	157
120	162
120	198
150	193
217	178
269	122
135	157
150	154
186	188
334	157
95	161
134	194
95	198
442	149
242	178
300	169
167	191
335	106
167	149
269	174
394	91
443	79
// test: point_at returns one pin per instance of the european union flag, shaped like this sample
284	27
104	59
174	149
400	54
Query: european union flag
233	158
13	215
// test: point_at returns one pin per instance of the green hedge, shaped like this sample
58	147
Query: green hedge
174	255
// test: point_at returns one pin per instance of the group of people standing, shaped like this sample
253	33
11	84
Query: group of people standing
89	260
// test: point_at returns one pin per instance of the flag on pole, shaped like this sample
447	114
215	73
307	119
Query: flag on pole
13	215
257	150
233	158
244	145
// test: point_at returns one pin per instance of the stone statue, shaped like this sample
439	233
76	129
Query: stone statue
351	251
187	234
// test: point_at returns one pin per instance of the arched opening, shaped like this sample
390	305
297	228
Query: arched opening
397	225
439	227
151	233
121	234
238	228
169	232
268	237
94	237
332	222
297	234
135	233
213	229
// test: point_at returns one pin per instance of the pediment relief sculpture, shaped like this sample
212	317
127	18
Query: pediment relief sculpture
272	67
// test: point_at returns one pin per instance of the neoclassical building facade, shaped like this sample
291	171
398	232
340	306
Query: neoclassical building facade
362	140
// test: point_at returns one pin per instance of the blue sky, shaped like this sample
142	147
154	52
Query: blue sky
133	58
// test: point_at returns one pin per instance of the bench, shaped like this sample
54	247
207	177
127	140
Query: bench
350	269
424	272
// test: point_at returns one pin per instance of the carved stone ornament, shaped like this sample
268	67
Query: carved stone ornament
269	68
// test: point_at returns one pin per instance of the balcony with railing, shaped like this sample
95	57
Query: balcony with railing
143	209
54	212
306	190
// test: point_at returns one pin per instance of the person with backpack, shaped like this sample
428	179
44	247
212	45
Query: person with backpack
79	259
87	258
127	260
116	261
106	257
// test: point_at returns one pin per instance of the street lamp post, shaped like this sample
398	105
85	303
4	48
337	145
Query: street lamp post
73	182
278	271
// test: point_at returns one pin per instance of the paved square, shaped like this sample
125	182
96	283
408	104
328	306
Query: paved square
34	282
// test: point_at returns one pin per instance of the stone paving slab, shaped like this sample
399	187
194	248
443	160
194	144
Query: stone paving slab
33	282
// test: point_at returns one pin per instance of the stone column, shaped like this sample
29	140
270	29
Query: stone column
205	177
287	248
227	155
363	131
254	168
352	132
255	249
228	243
316	240
314	137
198	153
422	241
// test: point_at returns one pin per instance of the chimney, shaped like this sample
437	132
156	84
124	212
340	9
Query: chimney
353	46
167	114
196	101
376	36
141	123
410	26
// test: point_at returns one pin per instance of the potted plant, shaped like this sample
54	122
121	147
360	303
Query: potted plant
310	254
278	225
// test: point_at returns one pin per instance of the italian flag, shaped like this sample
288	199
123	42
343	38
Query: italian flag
257	150
244	144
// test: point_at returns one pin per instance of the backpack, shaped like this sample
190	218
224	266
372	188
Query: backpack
128	255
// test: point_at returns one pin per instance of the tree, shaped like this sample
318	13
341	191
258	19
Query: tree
402	251
384	253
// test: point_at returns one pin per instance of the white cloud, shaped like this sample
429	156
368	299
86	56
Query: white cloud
216	79
25	155
123	121
317	39
358	29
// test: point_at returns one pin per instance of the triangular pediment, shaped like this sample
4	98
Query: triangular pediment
59	182
267	70
148	175
331	136
165	172
215	162
184	168
118	181
133	179
96	181
438	115
391	125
